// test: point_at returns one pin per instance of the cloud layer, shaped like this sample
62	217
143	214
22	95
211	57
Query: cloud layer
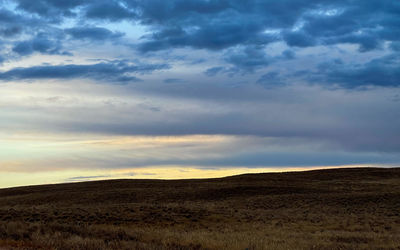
310	82
238	32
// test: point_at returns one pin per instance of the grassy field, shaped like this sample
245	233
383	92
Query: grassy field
324	209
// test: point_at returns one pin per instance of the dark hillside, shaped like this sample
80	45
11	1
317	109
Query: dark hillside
323	209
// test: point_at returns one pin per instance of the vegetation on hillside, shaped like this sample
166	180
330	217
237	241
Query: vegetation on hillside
326	209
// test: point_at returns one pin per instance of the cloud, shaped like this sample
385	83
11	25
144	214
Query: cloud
288	54
366	42
248	58
212	36
39	44
214	71
53	10
219	26
382	72
271	79
341	119
14	24
335	27
395	46
299	39
298	23
114	71
10	31
109	10
86	178
173	80
93	33
316	81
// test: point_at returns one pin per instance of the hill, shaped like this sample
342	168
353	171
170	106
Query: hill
355	208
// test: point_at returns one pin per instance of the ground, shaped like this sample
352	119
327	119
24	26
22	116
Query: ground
355	208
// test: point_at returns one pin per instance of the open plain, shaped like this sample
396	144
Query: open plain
356	208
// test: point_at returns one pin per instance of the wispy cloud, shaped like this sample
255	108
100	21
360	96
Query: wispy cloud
114	71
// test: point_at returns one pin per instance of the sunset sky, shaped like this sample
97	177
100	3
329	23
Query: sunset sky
100	89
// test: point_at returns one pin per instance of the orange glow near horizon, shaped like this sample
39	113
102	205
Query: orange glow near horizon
30	159
14	179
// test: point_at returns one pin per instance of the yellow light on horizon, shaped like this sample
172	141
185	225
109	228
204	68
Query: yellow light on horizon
13	179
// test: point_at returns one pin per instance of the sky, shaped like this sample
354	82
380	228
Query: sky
103	89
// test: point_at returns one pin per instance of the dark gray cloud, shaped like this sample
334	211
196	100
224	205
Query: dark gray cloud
288	54
280	159
299	39
13	24
366	42
114	71
210	36
243	60
219	24
173	80
8	17
230	23
10	31
93	33
248	59
262	158
395	46
356	121
271	79
216	25
383	72
39	44
214	71
109	10
53	10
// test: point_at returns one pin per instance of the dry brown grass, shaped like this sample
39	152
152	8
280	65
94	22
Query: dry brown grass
329	209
